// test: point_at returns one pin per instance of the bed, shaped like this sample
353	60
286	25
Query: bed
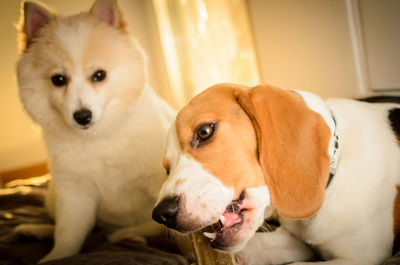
21	202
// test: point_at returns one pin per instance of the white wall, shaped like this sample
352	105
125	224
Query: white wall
20	140
380	25
301	44
304	45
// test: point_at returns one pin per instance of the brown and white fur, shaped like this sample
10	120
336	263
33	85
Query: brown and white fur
236	154
106	164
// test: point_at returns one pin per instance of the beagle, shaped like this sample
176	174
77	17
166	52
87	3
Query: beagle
329	169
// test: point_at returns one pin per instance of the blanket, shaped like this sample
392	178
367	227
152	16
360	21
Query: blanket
23	204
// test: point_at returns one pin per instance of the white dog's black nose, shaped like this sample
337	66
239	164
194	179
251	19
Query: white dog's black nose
166	212
83	116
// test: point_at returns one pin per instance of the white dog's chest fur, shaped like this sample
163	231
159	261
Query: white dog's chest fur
108	168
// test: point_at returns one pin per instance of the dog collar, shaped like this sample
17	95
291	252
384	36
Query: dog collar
335	150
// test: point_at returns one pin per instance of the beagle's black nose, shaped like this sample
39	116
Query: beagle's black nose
166	212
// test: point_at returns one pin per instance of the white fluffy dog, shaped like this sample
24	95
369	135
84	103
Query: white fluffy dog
83	79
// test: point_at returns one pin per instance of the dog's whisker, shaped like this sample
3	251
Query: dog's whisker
267	227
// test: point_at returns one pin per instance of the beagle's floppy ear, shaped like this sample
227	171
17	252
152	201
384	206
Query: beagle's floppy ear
293	146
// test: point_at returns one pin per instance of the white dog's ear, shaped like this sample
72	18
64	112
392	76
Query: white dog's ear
293	144
33	17
108	12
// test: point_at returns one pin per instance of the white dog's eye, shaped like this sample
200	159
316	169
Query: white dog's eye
59	80
98	76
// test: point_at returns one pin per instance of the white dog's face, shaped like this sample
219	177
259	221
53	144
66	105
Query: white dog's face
215	181
78	72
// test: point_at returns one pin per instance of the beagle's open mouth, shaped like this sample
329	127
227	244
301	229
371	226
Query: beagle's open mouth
222	233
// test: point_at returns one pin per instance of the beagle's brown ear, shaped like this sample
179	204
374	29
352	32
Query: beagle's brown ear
293	146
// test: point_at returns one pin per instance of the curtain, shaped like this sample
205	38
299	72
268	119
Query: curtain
205	42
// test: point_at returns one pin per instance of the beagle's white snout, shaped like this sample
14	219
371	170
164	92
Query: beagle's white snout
181	205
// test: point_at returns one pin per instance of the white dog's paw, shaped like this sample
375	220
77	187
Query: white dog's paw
53	255
46	258
123	234
38	231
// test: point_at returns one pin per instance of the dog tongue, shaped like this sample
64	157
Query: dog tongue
231	218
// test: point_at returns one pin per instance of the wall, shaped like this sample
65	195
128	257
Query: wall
20	139
381	38
300	45
304	45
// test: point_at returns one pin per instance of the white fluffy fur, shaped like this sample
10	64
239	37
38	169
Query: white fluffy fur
112	170
355	224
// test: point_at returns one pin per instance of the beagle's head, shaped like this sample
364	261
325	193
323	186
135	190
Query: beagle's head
232	152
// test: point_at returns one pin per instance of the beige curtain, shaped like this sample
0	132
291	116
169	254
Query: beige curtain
205	42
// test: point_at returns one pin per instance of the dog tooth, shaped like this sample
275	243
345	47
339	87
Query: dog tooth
211	236
222	220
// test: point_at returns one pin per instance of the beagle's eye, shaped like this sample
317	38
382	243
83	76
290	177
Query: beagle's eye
205	131
98	76
203	134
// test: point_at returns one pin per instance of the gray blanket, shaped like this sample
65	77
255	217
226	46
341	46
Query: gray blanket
24	205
